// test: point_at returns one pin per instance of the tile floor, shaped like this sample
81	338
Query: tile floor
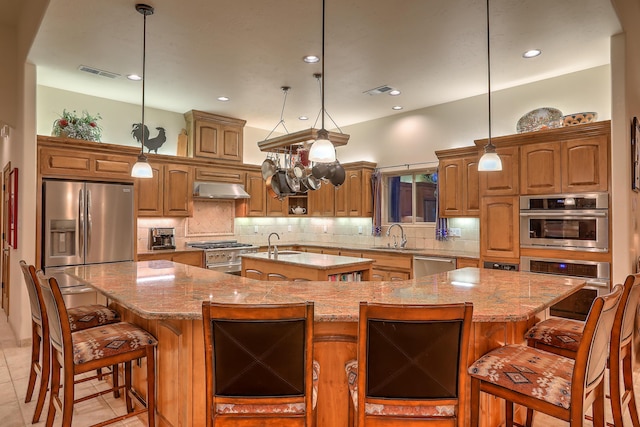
14	372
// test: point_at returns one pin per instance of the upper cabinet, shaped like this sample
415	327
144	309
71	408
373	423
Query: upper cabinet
168	193
458	182
213	136
540	168
504	182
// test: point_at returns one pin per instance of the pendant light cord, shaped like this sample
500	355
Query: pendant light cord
322	95
144	66
489	72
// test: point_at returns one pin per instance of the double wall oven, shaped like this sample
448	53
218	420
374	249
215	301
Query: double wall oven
571	223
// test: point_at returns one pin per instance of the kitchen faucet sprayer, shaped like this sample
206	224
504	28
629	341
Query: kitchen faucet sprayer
403	239
269	244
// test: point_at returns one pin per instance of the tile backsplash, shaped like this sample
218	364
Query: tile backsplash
215	221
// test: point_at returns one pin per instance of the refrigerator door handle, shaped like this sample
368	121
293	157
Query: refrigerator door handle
81	220
89	222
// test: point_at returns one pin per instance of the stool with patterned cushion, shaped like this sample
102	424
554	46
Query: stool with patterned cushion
89	349
259	364
559	386
563	336
411	367
82	317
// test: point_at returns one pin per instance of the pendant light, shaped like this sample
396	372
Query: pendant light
142	168
322	150
490	161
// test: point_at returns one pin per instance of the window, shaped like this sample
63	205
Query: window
411	197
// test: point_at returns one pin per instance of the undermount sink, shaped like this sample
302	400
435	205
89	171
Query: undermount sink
288	253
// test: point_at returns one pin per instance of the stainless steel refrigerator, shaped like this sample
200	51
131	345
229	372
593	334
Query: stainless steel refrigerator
86	223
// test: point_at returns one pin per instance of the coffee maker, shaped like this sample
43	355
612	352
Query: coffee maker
162	238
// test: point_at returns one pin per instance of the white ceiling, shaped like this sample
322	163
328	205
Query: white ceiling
434	51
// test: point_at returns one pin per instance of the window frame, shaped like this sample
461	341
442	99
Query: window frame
385	195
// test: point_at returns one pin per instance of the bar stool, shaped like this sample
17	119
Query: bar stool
82	317
563	336
90	349
411	367
542	381
259	364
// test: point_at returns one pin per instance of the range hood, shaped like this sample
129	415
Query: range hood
218	190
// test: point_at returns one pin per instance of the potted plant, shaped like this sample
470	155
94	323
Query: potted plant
70	125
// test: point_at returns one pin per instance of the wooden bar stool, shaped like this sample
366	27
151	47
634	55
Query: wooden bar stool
83	317
542	381
411	367
90	349
563	336
259	365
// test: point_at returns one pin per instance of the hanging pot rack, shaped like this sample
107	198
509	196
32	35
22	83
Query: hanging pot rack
292	141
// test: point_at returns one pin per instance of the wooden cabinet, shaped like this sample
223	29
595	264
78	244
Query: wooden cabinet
569	166
467	262
195	258
585	164
256	204
540	168
277	207
458	182
219	175
322	201
506	181
168	193
390	267
71	163
499	225
214	136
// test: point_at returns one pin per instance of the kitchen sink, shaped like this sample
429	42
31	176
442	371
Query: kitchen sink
288	253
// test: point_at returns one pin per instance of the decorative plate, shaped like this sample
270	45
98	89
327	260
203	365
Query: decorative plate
540	119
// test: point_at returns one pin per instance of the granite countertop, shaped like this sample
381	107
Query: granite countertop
309	259
167	290
350	247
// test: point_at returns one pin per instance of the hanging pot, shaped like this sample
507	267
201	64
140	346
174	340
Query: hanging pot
338	176
312	182
292	181
271	191
268	168
320	170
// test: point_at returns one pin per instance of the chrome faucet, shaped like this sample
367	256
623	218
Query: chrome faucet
403	239
275	250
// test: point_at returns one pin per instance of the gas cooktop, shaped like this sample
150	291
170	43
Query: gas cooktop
219	244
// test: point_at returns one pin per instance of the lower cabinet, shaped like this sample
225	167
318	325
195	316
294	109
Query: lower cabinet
389	276
195	258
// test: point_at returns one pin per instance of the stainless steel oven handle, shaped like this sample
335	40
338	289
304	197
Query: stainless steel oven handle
597	283
590	215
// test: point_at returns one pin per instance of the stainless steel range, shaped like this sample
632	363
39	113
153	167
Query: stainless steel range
224	255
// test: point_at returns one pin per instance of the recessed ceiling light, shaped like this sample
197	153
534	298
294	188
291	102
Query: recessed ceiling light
396	107
311	59
531	53
303	118
134	77
394	92
223	98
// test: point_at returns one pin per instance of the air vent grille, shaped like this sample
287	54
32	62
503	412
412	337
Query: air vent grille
378	90
98	72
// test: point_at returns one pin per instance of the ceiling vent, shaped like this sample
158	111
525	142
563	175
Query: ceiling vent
378	90
98	72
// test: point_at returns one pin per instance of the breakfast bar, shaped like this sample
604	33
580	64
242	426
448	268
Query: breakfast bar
166	298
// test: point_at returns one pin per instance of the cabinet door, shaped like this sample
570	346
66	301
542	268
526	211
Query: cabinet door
540	168
178	190
450	197
341	197
256	204
207	139
277	207
322	201
504	182
355	194
151	193
231	143
499	222
189	258
584	164
367	195
470	187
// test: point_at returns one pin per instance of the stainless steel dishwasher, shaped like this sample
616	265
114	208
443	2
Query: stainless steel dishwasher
424	265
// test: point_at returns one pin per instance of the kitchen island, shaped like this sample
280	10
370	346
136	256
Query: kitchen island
166	298
298	266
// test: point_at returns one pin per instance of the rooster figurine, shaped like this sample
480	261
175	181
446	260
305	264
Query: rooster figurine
152	144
